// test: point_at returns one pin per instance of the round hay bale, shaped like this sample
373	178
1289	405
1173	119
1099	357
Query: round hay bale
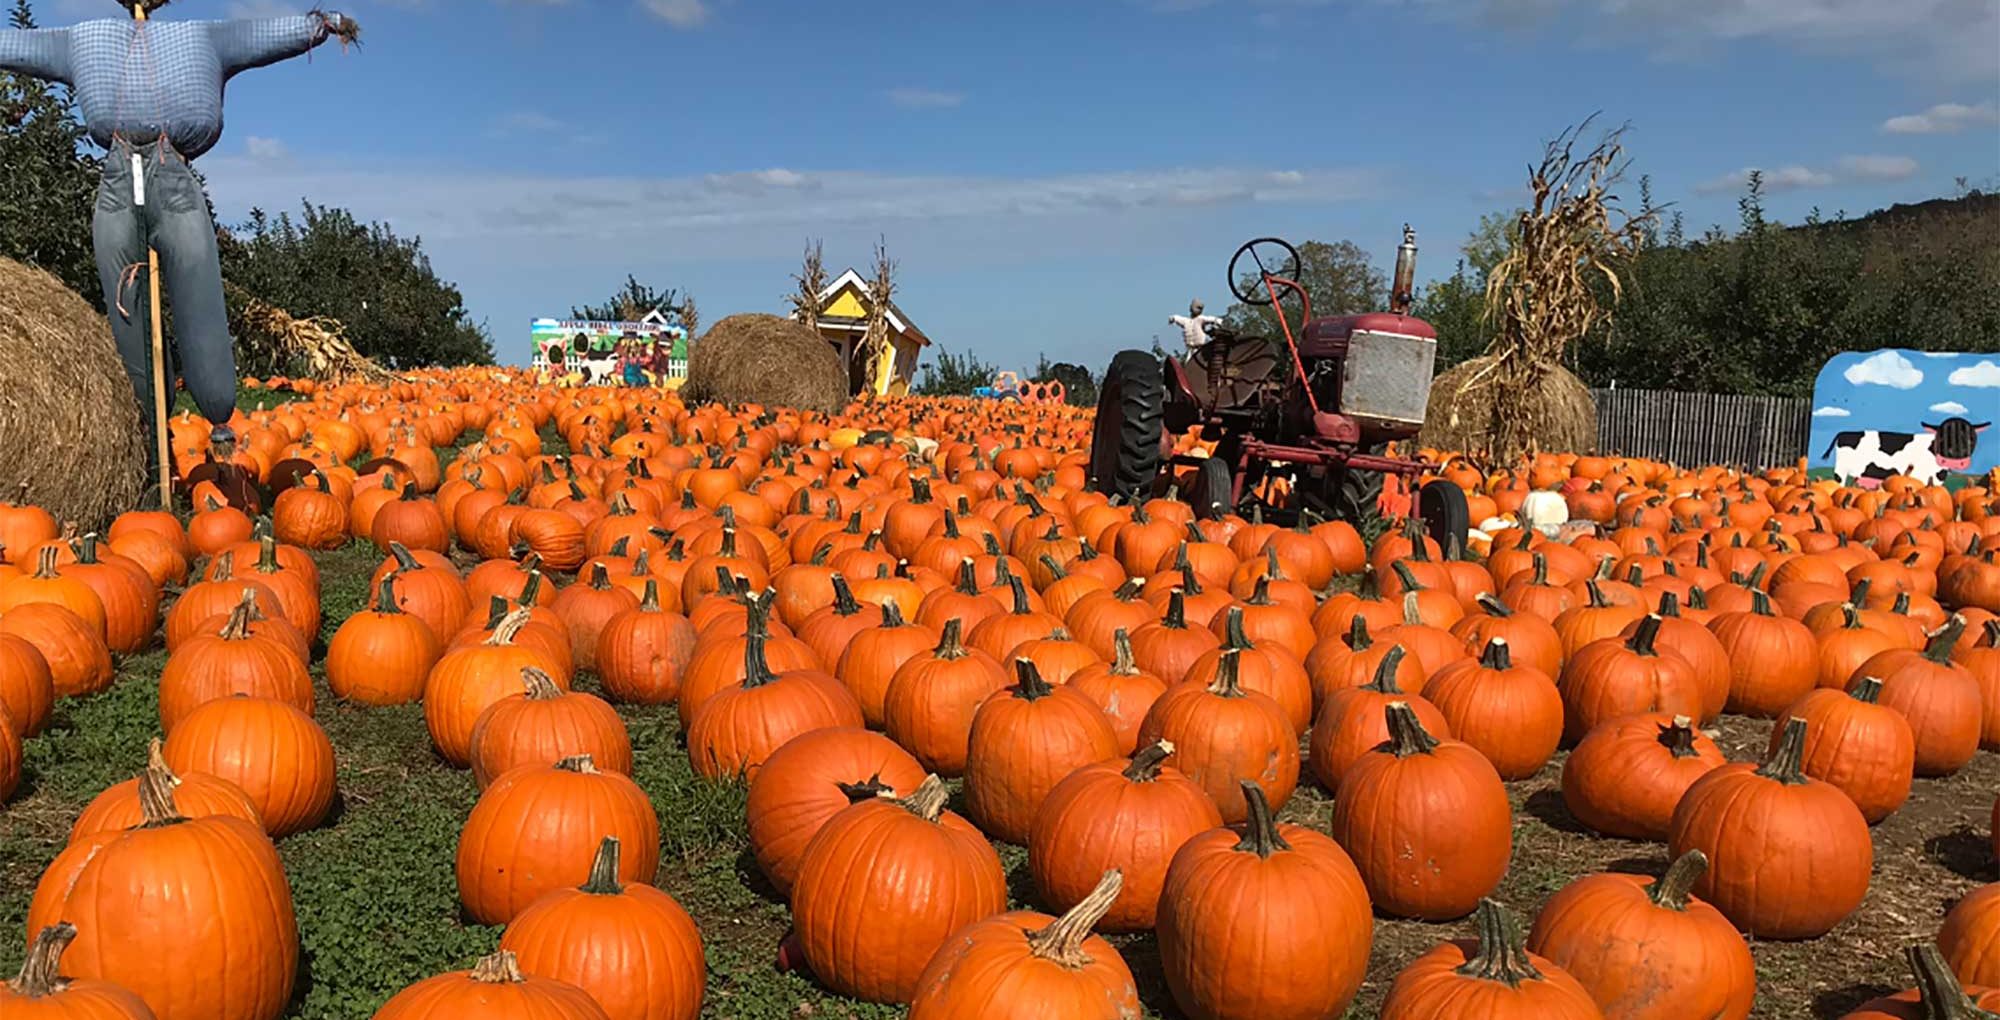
763	359
69	427
1467	404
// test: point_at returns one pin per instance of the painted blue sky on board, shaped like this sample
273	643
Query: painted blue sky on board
1902	391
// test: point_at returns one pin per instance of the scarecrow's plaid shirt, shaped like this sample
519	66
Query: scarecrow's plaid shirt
140	80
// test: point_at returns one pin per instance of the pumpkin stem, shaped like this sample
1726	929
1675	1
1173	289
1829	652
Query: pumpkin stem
1502	955
404	560
1176	616
1938	988
1228	679
1760	603
600	579
1384	681
1597	599
1867	690
650	601
1406	732
1541	575
844	603
1145	765
156	800
41	974
1061	943
1697	599
1261	595
1029	685
531	589
603	879
1055	569
581	764
1944	640
1670	606
1409	580
385	595
1783	763
951	643
892	614
1644	635
1492	605
1189	583
1233	635
496	610
928	802
499	969
1260	830
1122	663
1678	737
1021	606
1358	637
538	685
1496	656
237	627
509	625
1671	891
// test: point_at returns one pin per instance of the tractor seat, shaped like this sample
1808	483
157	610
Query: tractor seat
1233	372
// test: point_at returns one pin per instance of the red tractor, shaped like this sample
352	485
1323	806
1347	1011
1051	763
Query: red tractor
1317	406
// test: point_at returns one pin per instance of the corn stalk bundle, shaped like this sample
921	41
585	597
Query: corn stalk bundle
316	347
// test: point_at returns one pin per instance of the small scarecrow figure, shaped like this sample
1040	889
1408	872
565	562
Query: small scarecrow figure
151	96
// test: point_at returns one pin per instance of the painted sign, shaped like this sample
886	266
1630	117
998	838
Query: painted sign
1925	414
610	353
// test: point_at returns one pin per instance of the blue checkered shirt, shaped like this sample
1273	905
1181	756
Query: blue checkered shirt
142	79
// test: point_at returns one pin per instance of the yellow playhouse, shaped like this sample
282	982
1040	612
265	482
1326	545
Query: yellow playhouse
843	320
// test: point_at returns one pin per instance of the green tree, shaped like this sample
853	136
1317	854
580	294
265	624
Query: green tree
1079	383
380	286
953	375
630	303
48	177
1339	276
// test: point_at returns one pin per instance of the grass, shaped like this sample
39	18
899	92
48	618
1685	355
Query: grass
377	898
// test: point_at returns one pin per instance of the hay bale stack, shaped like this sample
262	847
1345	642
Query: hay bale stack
1469	402
69	428
763	359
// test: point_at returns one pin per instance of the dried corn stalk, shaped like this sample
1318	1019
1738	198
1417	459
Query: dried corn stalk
881	291
315	347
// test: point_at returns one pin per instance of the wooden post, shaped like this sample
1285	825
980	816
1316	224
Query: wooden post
162	411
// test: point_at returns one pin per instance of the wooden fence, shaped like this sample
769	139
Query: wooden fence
1703	428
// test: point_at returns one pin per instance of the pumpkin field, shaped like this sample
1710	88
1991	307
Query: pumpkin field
591	704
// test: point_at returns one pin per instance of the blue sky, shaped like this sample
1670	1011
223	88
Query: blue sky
1061	176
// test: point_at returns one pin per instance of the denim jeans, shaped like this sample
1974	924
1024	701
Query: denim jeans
175	222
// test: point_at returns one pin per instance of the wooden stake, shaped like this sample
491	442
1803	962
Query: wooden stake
162	448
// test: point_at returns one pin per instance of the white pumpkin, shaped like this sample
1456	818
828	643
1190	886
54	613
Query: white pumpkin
1545	511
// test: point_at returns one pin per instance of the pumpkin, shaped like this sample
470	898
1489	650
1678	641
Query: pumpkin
1122	691
231	661
197	794
1939	697
1270	923
1970	937
428	592
1773	660
643	652
932	698
545	723
1645	949
27	687
586	608
177	888
871	659
1938	995
1735	812
52	585
1693	641
719	661
41	993
1843	649
1615	677
1531	640
381	656
736	730
130	599
309	515
535	829
12	755
468	679
1273	670
1494	977
1124	815
631	947
1025	964
1024	740
1864	748
1511	714
497	988
808	781
78	659
1095	618
1222	736
1351	722
275	753
1626	776
1595	619
884	884
1169	647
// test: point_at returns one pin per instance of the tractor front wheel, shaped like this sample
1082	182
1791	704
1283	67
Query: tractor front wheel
1441	504
1210	495
1125	442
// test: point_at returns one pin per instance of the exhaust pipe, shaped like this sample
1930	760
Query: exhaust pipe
1404	294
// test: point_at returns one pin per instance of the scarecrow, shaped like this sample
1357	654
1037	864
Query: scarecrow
151	97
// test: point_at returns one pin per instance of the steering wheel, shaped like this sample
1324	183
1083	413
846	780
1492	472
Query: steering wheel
1265	256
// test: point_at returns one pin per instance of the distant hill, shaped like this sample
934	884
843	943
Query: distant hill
1974	207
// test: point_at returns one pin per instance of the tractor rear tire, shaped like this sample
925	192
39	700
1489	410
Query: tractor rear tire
1357	495
1125	442
1210	495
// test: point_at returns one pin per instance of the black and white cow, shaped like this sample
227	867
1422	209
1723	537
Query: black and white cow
1869	458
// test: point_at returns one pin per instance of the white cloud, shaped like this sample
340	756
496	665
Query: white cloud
1778	179
259	147
1943	119
1877	168
525	122
925	99
678	13
1984	375
1885	368
1832	412
1948	407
